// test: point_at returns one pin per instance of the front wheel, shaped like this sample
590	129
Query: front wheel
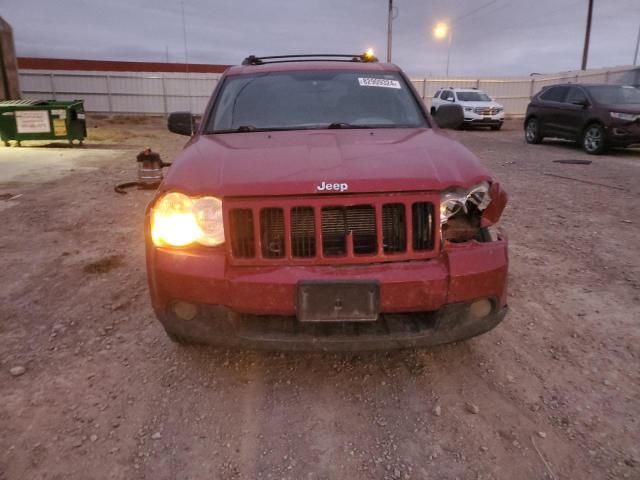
532	131
593	141
496	127
179	339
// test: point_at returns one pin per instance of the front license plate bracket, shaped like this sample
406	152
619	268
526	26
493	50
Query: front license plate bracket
331	301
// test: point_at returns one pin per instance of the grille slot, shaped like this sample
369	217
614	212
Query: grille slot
394	228
242	241
303	232
272	232
422	222
338	222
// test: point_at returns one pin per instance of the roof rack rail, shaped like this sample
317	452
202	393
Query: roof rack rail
366	57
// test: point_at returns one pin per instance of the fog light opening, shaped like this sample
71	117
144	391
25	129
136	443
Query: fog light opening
185	311
480	308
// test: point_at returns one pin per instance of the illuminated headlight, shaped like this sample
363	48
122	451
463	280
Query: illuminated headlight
455	201
178	221
631	117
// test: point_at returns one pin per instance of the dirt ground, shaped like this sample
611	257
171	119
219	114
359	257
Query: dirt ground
106	395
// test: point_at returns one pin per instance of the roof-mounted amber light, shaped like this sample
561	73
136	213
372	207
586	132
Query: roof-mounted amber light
369	56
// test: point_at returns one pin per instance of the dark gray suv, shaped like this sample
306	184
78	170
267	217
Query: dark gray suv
596	116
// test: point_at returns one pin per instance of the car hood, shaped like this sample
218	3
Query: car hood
298	162
481	104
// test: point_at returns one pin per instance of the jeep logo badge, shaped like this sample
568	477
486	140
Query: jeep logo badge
332	187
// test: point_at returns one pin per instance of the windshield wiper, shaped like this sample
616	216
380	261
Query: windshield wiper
251	128
347	125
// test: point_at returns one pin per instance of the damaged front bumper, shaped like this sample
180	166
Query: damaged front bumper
200	298
220	326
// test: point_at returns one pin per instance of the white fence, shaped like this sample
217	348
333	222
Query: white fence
166	92
122	92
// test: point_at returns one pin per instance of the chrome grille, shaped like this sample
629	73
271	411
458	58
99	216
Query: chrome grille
487	110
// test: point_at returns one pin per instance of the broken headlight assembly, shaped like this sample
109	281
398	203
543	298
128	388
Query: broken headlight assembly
179	221
460	212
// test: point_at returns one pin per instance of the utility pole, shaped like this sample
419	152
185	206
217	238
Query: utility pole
389	28
186	54
587	35
635	55
449	49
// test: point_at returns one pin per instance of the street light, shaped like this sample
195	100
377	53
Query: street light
440	31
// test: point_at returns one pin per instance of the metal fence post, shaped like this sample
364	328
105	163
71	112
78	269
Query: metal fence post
164	97
424	88
606	76
532	87
478	83
108	78
53	86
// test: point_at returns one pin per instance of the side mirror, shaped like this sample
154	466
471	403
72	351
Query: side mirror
182	123
581	103
449	116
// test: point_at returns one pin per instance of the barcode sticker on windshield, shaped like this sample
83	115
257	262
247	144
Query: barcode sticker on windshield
379	82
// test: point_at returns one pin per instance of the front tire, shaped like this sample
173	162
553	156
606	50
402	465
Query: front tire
496	127
593	139
179	339
532	131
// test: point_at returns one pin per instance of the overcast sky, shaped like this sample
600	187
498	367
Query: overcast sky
507	37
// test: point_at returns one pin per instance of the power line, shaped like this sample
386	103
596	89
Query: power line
468	14
547	14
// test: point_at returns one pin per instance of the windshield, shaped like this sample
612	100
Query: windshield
309	100
473	97
615	94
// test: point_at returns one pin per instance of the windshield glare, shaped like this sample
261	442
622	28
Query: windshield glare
615	94
305	100
473	97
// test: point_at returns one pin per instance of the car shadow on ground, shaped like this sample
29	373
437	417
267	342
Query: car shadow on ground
573	146
297	367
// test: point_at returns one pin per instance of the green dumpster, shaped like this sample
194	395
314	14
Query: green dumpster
42	120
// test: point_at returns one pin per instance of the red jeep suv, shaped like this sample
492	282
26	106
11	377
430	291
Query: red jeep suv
317	206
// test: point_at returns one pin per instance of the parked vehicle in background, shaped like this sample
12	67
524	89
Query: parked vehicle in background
317	206
596	116
479	108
